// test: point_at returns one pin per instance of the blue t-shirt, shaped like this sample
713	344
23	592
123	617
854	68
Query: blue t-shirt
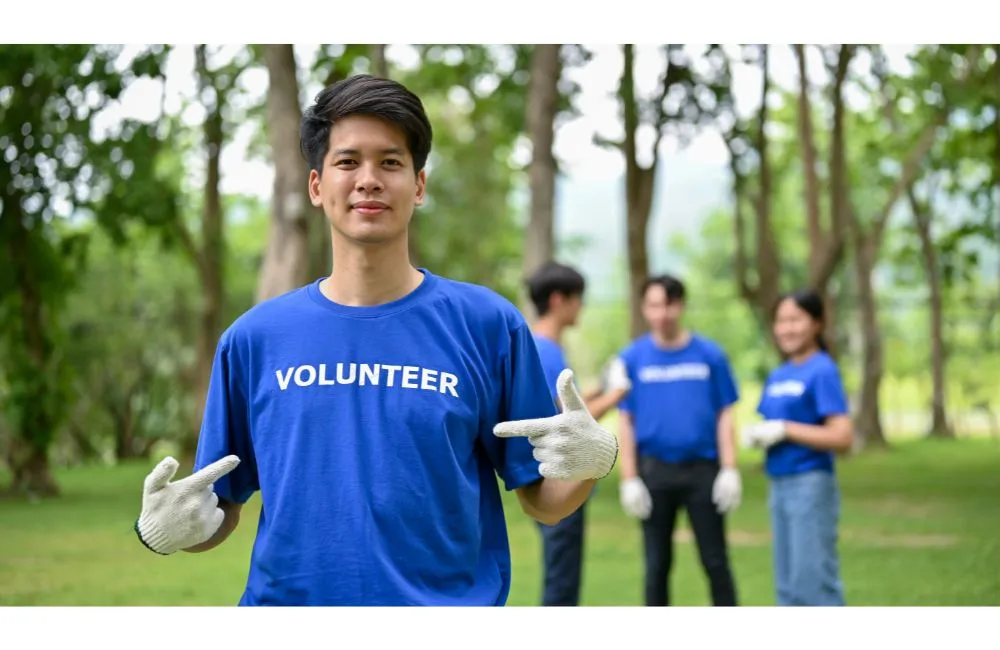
676	397
369	433
808	393
553	362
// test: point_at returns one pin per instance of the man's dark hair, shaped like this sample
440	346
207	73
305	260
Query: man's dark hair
364	95
554	278
673	287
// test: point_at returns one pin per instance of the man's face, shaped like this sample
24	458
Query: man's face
566	308
368	188
661	316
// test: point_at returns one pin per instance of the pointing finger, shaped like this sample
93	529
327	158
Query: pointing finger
210	474
161	474
568	394
523	428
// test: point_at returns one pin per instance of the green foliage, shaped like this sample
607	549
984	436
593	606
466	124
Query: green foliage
62	173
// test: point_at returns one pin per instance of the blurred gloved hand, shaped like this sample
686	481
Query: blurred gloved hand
764	434
727	491
635	499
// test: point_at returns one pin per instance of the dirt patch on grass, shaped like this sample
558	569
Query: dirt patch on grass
735	537
899	506
908	540
854	537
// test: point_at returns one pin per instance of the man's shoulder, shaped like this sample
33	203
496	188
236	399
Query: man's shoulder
636	346
708	346
277	311
480	301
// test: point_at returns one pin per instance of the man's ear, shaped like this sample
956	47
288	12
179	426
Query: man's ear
421	186
314	194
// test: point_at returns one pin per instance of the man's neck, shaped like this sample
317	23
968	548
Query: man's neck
672	340
365	276
549	328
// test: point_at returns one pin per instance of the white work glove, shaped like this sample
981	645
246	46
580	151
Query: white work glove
764	434
570	446
178	515
634	498
615	375
727	489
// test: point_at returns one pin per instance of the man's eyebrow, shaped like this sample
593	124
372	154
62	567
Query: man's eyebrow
354	152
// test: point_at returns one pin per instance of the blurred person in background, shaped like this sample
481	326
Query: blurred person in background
677	441
556	292
806	420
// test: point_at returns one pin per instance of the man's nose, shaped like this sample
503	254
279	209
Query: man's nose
368	179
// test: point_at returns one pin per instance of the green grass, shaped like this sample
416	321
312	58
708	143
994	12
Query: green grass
921	526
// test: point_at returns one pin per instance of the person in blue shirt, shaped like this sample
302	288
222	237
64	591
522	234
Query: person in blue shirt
677	441
376	410
806	420
556	292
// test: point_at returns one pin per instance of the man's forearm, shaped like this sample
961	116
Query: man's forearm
600	404
726	438
549	501
229	523
629	467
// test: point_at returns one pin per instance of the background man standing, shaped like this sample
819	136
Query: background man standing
556	291
677	441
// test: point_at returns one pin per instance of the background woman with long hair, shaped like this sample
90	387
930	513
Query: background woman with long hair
806	420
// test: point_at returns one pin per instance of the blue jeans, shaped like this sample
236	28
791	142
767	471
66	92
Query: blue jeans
805	510
562	552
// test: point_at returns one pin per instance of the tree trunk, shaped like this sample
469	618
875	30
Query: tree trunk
286	259
125	435
209	256
639	185
639	205
826	245
868	420
34	429
761	293
32	473
543	98
380	67
940	426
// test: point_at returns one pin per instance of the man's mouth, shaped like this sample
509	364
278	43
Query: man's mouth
369	207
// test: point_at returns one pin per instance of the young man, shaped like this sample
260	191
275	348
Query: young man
374	408
677	441
556	291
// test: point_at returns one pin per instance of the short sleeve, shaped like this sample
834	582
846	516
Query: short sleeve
225	427
829	394
553	363
627	404
724	387
524	395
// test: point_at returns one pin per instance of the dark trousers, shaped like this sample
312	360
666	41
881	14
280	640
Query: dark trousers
687	485
562	553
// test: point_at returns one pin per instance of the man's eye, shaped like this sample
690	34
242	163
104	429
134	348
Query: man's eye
345	161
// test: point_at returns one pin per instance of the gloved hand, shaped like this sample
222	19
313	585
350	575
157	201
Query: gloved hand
614	376
570	446
634	498
178	515
764	434
727	489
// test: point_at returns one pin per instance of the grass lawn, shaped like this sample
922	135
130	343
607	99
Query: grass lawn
920	526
